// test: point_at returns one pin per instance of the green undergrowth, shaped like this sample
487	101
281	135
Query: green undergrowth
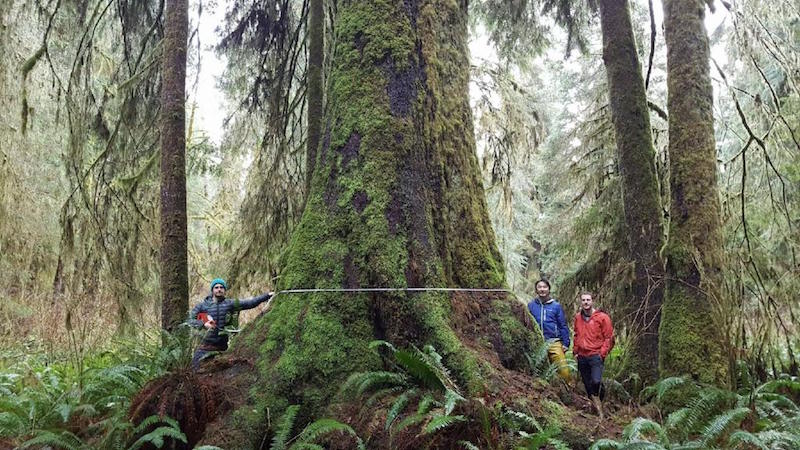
80	400
765	417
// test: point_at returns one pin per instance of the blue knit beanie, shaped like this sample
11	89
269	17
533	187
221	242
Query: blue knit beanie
217	281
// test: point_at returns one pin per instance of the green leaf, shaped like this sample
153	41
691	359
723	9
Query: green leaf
441	422
284	428
420	369
157	436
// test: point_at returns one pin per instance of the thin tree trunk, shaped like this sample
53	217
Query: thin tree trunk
174	270
691	342
641	202
316	55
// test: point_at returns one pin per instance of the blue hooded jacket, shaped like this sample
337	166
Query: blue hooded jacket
551	319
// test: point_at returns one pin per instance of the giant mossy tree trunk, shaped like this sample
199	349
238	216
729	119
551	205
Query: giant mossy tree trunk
690	343
641	202
396	201
174	270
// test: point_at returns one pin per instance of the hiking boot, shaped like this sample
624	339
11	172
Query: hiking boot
598	404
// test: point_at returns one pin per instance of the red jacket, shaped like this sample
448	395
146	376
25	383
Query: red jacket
595	337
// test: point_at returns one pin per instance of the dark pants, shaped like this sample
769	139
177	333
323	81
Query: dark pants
591	369
205	352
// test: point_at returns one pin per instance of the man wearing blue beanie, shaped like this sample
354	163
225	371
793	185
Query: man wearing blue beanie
214	313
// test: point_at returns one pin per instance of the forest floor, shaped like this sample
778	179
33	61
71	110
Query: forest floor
562	409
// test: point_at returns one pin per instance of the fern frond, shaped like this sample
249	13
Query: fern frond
379	343
782	384
386	392
374	379
607	444
410	421
775	439
157	436
426	403
558	444
742	438
722	422
419	368
306	446
398	406
451	398
524	420
441	422
691	445
661	388
63	440
153	420
468	445
284	428
641	429
321	427
703	408
359	383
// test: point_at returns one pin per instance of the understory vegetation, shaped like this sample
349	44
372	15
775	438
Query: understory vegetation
413	403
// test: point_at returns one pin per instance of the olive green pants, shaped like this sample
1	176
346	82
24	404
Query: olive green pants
555	353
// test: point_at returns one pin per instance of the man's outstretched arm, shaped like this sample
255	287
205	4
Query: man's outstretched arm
255	301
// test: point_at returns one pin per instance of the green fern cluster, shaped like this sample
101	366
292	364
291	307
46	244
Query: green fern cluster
423	395
540	365
764	417
533	435
419	376
310	435
45	400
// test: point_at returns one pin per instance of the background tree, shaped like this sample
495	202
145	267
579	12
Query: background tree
174	271
640	185
691	341
316	54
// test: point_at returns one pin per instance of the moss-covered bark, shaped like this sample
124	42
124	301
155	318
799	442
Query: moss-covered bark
174	269
690	343
396	200
316	53
641	202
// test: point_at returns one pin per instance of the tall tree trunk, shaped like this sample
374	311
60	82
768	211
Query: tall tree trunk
641	202
316	56
174	271
397	201
690	341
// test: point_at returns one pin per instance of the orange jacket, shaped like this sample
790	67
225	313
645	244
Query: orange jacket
595	337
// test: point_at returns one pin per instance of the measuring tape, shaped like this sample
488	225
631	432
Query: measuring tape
382	289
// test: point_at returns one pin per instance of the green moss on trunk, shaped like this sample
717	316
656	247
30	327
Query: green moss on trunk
691	342
174	265
644	227
396	200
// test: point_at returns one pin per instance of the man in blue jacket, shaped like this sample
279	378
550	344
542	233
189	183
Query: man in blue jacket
551	320
213	314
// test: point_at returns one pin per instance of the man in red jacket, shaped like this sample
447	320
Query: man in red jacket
594	338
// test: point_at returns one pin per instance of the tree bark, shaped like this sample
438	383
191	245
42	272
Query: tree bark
316	56
640	193
690	342
396	201
174	270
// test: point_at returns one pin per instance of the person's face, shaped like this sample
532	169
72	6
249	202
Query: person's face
586	302
542	289
219	290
